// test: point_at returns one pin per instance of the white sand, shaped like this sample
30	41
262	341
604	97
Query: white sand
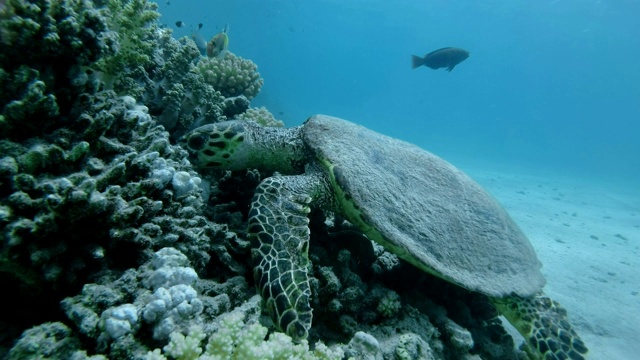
587	236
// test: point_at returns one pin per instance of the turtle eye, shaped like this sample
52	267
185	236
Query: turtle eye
196	142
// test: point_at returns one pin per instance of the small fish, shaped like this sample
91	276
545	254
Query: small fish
447	57
200	26
218	44
180	24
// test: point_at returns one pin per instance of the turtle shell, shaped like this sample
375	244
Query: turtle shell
424	209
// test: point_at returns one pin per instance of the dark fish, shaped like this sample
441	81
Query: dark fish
447	57
201	43
180	24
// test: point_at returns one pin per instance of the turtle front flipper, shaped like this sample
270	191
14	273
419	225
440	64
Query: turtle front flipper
543	322
279	233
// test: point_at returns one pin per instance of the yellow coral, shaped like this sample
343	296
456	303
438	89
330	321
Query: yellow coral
237	341
231	75
260	115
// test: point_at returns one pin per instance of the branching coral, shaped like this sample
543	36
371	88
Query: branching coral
134	22
389	304
237	341
260	115
231	75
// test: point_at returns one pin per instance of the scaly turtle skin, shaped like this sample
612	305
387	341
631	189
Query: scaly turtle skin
415	204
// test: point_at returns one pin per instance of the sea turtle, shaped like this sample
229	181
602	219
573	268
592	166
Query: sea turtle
415	204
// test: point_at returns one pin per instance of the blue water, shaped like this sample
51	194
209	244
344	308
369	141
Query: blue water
549	86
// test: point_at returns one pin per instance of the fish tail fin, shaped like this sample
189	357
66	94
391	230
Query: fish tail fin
416	61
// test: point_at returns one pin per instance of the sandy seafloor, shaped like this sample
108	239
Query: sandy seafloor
587	236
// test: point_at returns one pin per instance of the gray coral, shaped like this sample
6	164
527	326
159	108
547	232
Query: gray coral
50	341
46	45
53	34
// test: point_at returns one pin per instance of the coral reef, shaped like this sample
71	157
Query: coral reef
165	79
78	204
160	71
89	182
175	93
130	253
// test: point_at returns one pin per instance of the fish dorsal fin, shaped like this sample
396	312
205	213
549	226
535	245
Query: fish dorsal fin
435	51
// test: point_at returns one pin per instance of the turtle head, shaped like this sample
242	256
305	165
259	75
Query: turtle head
225	145
240	144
